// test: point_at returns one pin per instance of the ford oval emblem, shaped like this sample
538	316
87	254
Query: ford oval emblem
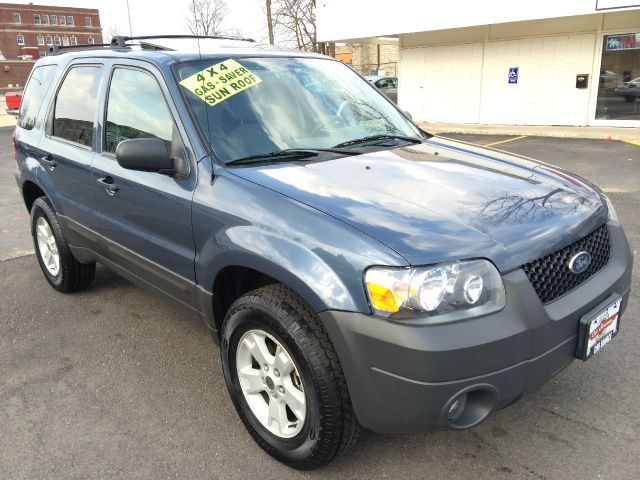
580	262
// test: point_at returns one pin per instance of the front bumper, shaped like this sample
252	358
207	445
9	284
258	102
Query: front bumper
404	378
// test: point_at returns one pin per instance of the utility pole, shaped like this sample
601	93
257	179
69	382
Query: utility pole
269	21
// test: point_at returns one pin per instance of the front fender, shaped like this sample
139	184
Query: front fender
292	264
240	223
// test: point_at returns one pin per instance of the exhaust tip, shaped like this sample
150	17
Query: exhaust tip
470	406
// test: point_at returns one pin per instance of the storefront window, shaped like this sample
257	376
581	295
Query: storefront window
619	83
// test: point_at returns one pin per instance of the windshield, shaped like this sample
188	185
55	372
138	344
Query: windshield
253	106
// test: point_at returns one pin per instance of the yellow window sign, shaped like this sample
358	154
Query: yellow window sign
218	82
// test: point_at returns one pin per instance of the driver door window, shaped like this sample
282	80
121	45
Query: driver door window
384	83
136	109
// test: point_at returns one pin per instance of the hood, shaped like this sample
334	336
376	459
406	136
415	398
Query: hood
445	200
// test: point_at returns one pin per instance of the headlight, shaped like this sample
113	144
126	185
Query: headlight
613	215
439	293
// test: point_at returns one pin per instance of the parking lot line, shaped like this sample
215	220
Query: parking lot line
637	144
505	141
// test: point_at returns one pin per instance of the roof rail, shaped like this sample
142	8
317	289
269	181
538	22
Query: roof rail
120	41
55	49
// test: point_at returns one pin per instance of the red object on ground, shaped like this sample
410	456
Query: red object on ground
13	100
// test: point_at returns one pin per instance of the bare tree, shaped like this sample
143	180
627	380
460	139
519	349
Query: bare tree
296	24
206	17
294	21
113	31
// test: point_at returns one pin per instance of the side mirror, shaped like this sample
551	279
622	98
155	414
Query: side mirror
407	114
149	155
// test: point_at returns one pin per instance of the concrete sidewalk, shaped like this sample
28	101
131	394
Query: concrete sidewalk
5	120
631	135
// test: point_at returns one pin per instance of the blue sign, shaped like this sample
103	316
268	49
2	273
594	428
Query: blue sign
513	74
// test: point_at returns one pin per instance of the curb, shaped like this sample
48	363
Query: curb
625	134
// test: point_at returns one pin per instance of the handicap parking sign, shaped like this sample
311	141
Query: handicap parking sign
513	74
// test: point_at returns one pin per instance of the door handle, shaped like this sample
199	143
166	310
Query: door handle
49	161
108	185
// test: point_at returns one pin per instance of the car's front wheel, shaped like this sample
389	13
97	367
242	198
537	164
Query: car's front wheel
630	98
285	379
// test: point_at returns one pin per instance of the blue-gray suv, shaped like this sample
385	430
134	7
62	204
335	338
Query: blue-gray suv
355	270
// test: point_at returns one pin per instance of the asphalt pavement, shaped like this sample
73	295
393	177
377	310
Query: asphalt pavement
113	383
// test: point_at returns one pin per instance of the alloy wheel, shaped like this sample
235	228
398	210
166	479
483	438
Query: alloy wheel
271	383
47	246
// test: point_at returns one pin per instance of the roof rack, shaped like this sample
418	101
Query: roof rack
120	41
55	49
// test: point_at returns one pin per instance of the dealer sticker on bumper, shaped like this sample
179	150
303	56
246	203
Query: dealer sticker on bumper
598	328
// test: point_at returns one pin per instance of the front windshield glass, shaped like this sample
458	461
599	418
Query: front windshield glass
252	106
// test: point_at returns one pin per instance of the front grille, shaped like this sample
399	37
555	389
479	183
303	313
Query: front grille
550	275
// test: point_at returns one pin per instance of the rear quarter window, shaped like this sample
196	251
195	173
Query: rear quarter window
39	83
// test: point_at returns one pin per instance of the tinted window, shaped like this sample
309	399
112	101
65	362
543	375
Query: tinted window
76	105
136	109
38	85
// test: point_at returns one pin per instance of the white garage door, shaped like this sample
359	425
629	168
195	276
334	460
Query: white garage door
441	83
546	92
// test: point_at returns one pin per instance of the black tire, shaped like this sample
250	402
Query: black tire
330	427
630	98
72	275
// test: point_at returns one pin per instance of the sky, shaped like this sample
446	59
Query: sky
150	17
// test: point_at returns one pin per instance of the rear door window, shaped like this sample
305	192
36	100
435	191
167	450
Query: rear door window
76	105
38	86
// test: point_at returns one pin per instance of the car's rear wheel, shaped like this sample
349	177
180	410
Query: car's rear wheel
285	379
630	98
60	268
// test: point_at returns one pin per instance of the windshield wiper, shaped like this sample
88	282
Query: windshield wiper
291	153
377	138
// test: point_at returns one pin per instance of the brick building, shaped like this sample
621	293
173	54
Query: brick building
32	29
368	57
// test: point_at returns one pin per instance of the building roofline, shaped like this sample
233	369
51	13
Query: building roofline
50	8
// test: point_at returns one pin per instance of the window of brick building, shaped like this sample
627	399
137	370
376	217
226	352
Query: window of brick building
45	19
70	20
65	41
17	18
87	21
63	20
49	40
36	19
20	39
73	40
91	41
57	40
54	20
40	39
